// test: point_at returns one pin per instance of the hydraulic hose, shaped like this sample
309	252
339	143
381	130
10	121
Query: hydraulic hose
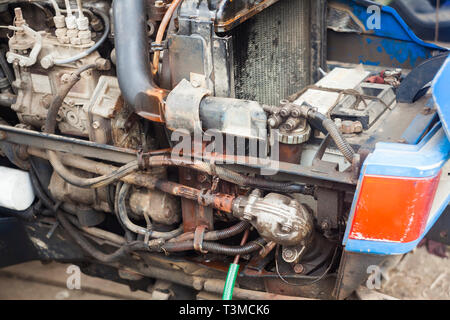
217	248
91	250
335	134
217	234
58	166
38	190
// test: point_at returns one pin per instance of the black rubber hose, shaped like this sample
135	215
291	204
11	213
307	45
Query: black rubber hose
234	177
132	54
217	234
227	233
91	250
217	248
335	134
38	190
259	183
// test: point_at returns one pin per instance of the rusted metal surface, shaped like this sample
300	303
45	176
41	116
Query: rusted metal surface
151	104
218	201
286	171
227	18
194	215
291	153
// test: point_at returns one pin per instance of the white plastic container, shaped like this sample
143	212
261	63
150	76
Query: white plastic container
16	191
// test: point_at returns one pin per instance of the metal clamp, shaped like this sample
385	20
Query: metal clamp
143	160
198	238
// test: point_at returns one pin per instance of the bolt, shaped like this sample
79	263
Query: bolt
299	268
95	124
288	254
159	3
325	225
286	229
291	124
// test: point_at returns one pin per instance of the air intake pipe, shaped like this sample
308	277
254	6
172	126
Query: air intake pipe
133	61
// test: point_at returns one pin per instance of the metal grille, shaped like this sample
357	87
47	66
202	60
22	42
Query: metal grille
272	52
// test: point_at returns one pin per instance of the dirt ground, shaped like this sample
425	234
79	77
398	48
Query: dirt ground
419	275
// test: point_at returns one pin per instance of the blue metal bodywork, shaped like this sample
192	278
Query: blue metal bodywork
393	38
423	157
441	95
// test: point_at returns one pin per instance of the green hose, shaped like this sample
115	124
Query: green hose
230	282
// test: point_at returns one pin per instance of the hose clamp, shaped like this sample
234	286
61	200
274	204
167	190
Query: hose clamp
198	238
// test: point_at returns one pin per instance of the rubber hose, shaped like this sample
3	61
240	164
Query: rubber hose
232	176
335	134
90	249
217	248
217	234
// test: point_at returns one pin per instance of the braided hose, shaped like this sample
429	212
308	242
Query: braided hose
217	248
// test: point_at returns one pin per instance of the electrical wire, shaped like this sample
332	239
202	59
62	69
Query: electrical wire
325	273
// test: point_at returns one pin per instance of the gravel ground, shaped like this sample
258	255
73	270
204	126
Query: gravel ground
418	276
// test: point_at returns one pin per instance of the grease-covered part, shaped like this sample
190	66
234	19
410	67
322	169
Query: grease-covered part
161	207
277	217
192	109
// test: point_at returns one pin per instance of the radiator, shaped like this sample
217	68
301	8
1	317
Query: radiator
272	52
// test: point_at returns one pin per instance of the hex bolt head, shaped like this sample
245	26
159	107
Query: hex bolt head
299	268
95	124
288	255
